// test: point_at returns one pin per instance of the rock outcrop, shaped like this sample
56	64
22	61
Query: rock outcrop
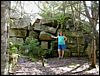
45	36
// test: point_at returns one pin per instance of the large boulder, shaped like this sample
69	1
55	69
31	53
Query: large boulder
44	21
44	45
16	40
51	30
45	36
20	23
33	34
55	45
17	33
14	14
39	27
46	28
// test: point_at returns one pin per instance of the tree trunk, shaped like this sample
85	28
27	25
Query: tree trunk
4	35
93	55
64	8
93	23
78	17
73	15
42	59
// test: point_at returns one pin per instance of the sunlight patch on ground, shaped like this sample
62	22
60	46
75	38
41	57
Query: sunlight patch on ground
95	70
60	70
73	65
36	70
46	65
84	66
97	67
57	67
26	71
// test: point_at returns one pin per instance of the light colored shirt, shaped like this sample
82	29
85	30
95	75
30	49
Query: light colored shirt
61	40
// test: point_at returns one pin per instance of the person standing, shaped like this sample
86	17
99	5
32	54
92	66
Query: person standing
61	44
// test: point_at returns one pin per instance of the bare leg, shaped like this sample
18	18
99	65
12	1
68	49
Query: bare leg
62	53
59	53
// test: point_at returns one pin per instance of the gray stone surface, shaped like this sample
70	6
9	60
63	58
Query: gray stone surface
20	23
17	33
39	27
44	36
33	34
44	45
46	28
51	30
16	40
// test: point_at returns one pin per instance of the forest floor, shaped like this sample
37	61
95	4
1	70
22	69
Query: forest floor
55	66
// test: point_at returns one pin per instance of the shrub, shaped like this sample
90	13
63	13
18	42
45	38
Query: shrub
32	48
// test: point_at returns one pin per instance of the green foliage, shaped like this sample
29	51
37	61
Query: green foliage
55	11
32	48
41	52
12	48
86	27
60	18
30	45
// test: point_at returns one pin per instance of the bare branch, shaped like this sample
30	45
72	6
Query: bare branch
80	12
16	5
39	7
86	10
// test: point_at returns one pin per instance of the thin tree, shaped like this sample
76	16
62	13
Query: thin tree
92	17
5	5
